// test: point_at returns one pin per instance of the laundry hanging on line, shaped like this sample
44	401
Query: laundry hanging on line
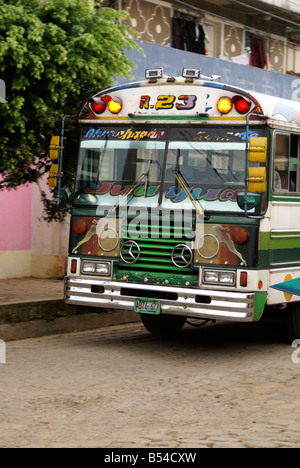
189	35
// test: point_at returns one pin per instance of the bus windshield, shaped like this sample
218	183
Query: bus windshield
205	162
146	162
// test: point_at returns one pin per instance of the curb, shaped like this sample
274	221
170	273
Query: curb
42	318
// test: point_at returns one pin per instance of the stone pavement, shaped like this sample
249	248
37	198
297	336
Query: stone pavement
32	307
120	387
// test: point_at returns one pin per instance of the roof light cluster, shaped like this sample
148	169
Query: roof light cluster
100	104
157	73
154	74
226	104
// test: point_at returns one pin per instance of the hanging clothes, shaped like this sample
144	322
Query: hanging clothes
258	56
190	30
178	33
200	41
188	35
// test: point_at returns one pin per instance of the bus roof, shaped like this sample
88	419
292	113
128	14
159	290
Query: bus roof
187	100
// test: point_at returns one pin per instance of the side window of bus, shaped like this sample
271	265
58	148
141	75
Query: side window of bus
285	168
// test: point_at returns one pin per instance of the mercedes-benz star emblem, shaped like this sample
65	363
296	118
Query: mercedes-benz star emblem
130	252
182	256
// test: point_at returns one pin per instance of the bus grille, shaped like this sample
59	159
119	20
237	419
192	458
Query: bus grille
156	243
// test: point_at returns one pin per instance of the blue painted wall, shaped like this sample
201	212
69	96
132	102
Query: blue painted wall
249	78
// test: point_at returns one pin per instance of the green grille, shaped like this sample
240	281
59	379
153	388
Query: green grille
156	243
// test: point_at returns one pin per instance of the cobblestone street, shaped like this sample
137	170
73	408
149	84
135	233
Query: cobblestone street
220	386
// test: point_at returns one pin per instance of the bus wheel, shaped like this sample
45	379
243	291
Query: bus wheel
163	324
293	320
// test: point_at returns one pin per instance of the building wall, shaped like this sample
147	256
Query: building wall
251	78
50	241
151	19
230	40
15	232
28	245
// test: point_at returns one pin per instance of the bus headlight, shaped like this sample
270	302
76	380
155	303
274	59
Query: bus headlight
89	267
219	277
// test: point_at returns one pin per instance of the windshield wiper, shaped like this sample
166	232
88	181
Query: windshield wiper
102	155
147	176
184	185
177	170
137	183
180	180
151	161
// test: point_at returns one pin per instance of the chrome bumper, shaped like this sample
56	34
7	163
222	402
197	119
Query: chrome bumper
199	303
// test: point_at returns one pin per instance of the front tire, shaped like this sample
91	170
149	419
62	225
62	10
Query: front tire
163	324
293	320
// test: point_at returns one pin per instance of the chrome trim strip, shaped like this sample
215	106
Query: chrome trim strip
224	305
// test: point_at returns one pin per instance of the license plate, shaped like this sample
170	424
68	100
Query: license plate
147	306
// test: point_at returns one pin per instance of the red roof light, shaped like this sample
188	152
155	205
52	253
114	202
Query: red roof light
242	105
97	105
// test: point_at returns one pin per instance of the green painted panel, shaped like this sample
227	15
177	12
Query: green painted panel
278	258
264	241
279	249
279	240
259	304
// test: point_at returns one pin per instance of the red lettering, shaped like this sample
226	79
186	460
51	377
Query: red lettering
105	187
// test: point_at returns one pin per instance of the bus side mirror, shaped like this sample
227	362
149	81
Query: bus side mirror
258	149
64	193
251	200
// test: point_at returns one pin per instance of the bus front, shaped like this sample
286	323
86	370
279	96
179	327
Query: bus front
159	224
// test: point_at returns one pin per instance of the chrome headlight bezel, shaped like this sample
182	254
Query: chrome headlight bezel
219	277
95	268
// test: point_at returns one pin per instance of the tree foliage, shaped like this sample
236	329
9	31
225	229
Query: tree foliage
53	55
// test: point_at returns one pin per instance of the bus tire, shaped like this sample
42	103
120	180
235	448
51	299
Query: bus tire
293	320
163	324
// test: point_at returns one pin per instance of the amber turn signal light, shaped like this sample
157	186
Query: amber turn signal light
244	279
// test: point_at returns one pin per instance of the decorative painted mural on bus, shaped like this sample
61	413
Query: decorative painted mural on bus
198	193
204	193
119	189
287	111
123	133
140	133
289	287
223	244
97	236
218	244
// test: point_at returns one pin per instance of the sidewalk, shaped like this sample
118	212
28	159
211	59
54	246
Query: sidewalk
22	290
32	307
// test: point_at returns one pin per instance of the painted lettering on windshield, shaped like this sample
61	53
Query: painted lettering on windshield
127	134
198	193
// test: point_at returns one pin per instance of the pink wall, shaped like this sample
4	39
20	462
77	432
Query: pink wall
15	219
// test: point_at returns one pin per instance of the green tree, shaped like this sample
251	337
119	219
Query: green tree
53	56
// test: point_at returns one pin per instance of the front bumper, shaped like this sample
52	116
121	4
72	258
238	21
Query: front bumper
198	303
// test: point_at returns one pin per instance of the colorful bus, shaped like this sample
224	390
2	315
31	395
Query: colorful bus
186	203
